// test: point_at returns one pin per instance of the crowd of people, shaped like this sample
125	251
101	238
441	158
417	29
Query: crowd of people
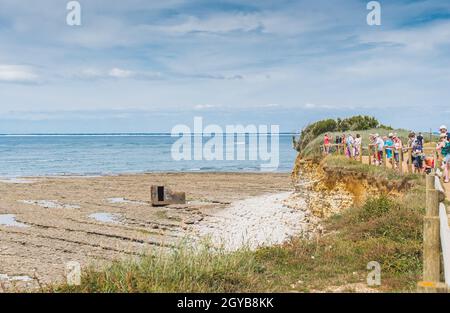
395	149
352	144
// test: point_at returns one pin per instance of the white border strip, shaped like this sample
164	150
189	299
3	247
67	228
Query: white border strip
445	241
445	233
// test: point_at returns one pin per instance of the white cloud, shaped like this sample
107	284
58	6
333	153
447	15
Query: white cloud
120	73
93	73
423	39
205	106
219	23
17	74
313	106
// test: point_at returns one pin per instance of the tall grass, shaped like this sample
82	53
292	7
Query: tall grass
183	269
383	229
345	164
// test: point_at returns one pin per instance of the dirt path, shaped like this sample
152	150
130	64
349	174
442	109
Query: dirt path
46	222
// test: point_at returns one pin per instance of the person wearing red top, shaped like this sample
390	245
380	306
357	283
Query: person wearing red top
326	144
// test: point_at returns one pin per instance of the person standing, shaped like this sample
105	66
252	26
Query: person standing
326	144
443	130
389	144
350	142
420	139
398	149
444	147
417	156
358	143
380	146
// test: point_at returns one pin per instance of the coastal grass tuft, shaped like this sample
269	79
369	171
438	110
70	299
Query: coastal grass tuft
343	163
384	229
183	269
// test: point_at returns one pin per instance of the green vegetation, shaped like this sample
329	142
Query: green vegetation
312	149
383	229
354	123
184	269
377	172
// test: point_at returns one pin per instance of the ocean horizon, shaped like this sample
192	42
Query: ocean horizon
85	154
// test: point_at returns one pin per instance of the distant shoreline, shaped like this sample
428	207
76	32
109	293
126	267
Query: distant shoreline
4	178
119	134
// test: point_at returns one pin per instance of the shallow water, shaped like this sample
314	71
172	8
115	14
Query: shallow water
16	181
124	201
24	278
10	220
47	155
50	204
106	217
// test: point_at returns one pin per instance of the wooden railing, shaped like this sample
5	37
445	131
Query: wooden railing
436	238
436	230
404	154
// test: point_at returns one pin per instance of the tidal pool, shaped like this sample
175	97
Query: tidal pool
10	220
106	217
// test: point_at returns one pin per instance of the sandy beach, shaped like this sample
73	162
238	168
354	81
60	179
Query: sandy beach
48	221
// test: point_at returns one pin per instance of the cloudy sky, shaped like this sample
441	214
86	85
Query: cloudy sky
146	65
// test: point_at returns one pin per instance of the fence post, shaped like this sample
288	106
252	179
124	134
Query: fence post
384	157
436	158
369	151
361	149
409	162
431	233
400	160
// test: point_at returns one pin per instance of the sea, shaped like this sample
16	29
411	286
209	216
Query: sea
112	154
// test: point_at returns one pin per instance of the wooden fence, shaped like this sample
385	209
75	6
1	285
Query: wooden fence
436	230
397	156
436	238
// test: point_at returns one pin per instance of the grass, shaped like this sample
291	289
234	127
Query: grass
383	229
313	148
345	164
185	269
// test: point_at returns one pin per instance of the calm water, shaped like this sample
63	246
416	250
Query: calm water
39	155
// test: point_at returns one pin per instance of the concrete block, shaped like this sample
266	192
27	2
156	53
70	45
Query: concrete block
161	195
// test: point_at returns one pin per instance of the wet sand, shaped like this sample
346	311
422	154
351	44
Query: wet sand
47	222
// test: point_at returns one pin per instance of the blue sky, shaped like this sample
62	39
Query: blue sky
144	66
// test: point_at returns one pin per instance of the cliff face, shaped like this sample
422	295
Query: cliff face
328	190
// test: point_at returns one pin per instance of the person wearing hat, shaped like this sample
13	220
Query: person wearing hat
380	146
443	130
358	143
350	142
419	139
444	147
398	149
326	143
388	142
